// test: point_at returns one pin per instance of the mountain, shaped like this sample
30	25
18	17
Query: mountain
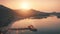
31	13
6	16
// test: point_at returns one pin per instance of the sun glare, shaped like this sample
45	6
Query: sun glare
25	5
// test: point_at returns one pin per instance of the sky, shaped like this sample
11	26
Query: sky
42	5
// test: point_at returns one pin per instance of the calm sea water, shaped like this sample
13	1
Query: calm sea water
49	25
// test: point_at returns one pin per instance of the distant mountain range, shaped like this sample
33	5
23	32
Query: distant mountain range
35	14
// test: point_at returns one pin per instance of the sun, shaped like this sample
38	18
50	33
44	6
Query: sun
25	5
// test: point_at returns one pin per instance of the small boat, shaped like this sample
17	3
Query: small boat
31	27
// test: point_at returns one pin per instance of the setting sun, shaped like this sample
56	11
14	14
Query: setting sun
25	5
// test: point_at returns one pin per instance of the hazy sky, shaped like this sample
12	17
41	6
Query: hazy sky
43	5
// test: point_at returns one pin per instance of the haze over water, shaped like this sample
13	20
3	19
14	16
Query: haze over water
46	25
